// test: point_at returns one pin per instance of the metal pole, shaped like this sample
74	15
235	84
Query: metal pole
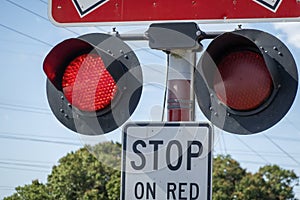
144	36
181	98
129	37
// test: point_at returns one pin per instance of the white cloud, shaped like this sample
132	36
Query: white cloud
290	31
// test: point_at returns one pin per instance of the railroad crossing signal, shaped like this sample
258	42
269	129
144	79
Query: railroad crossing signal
94	83
245	81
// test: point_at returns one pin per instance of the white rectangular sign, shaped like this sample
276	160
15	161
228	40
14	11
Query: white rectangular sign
167	161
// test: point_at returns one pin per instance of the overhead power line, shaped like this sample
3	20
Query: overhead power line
36	14
3	187
263	153
30	11
36	136
25	164
25	108
252	149
26	169
281	149
45	2
31	139
26	161
25	35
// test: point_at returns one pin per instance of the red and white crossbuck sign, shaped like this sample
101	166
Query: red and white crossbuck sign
77	12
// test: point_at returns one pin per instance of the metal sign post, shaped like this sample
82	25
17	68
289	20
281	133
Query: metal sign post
181	96
180	41
171	160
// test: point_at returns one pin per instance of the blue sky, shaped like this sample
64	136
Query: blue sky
32	140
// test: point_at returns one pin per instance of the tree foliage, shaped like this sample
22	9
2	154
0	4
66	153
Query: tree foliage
80	175
231	181
227	173
35	190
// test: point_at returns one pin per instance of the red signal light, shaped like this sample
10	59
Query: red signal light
242	81
246	81
87	84
94	83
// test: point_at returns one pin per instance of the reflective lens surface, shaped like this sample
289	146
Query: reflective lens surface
87	84
242	81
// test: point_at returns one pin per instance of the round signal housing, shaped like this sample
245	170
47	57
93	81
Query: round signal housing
94	83
246	81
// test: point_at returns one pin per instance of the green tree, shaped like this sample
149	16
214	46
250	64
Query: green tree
113	186
81	176
108	153
78	175
279	182
271	182
227	173
35	190
250	187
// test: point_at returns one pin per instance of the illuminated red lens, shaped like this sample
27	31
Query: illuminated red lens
243	81
87	84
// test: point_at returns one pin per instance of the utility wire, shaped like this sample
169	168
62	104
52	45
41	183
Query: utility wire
8	188
26	35
3	187
267	154
25	165
152	68
45	2
36	136
146	49
24	106
249	147
292	124
281	149
36	14
26	169
39	140
23	8
31	55
25	161
224	144
30	11
25	110
262	163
